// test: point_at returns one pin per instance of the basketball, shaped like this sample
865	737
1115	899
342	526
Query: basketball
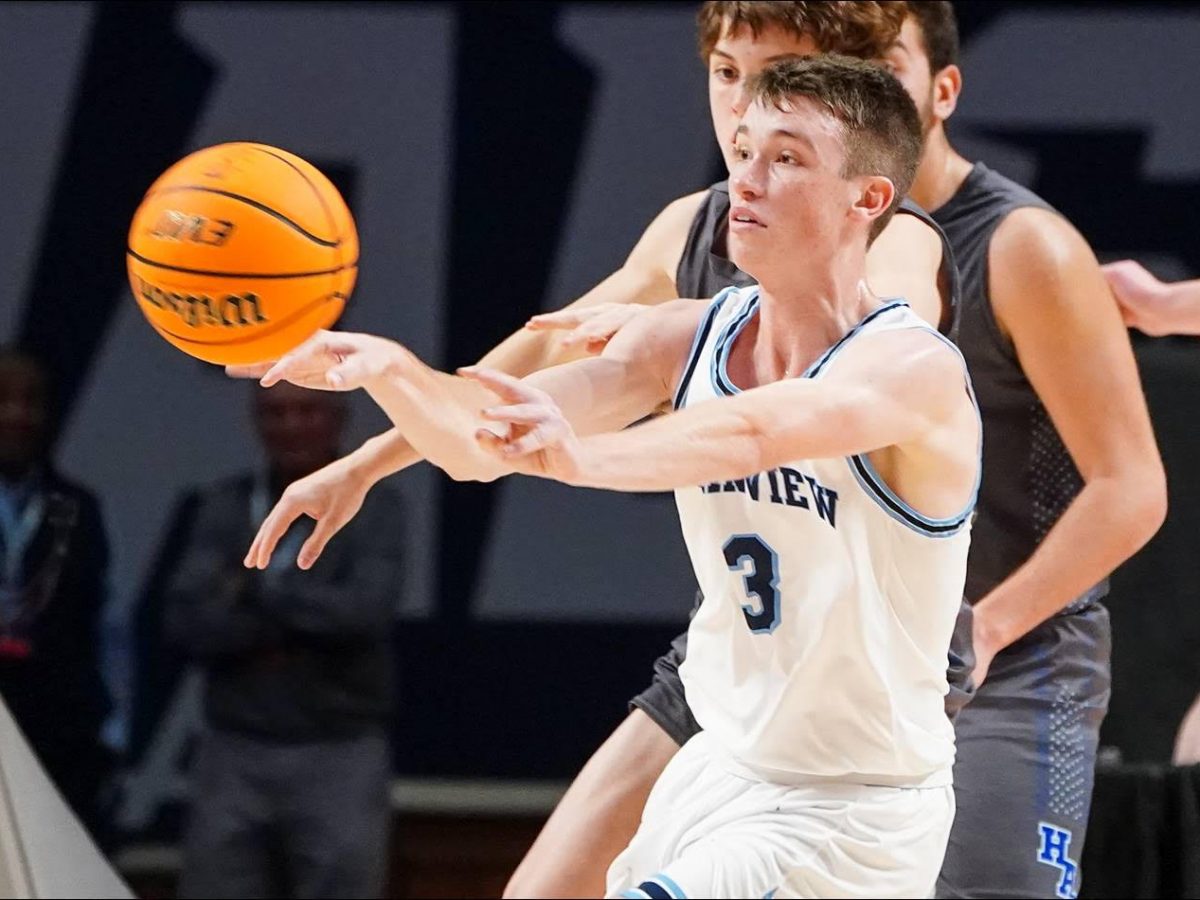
239	252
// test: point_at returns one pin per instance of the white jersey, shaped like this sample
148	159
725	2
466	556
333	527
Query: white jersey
819	650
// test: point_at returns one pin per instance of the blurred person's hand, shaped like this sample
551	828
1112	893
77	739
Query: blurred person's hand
332	496
591	327
1141	296
1187	741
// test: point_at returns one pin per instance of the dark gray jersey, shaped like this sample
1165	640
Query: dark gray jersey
1028	476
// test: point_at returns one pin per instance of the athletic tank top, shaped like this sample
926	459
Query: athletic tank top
1029	478
819	649
704	269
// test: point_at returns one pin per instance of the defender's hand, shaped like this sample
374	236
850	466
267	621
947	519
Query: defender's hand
1142	297
332	496
591	327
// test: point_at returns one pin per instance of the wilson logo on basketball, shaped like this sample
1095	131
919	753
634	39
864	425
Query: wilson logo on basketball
174	225
197	310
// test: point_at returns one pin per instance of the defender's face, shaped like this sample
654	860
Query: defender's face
787	193
736	58
907	61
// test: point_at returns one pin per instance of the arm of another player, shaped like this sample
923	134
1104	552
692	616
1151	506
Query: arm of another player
904	261
333	495
910	396
1153	306
1049	295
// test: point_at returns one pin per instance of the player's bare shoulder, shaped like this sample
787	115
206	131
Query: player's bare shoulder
661	245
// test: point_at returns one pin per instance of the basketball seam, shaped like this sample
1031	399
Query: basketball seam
316	193
259	206
217	274
262	332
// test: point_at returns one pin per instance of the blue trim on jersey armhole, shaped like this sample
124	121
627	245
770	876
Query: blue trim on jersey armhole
815	369
722	384
675	890
635	894
702	331
871	481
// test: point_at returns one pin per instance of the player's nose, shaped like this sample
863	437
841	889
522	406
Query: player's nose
741	99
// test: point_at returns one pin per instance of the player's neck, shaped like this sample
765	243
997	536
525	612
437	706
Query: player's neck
798	322
941	173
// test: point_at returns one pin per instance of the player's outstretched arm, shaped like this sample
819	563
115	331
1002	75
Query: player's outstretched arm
912	394
334	494
1152	306
1051	299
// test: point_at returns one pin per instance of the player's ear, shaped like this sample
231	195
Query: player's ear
876	194
947	85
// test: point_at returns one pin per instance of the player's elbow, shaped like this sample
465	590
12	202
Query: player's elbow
1145	506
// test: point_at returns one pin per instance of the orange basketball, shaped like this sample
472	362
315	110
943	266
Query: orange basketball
241	251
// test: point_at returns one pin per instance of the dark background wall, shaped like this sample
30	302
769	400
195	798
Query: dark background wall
501	158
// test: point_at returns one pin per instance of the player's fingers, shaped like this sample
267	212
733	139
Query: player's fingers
517	414
563	318
490	441
272	530
257	370
536	439
509	389
325	529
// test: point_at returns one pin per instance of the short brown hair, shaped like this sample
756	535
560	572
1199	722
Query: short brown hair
881	129
939	31
862	29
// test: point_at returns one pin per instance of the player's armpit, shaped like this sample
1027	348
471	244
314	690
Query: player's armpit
905	261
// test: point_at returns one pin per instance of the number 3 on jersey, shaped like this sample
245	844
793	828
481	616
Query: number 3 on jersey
762	579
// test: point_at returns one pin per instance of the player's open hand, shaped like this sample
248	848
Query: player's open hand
332	496
1142	297
537	439
335	361
589	328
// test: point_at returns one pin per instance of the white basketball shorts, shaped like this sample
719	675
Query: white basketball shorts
708	832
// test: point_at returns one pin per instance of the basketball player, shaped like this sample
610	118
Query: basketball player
825	457
681	254
1073	485
1153	306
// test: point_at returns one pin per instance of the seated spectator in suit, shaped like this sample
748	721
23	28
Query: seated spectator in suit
290	784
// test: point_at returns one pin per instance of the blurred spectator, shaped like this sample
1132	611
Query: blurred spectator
53	569
291	781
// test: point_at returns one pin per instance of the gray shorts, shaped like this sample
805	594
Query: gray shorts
1026	757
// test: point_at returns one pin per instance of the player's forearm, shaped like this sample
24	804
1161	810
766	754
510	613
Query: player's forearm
1109	521
383	455
438	422
525	352
686	449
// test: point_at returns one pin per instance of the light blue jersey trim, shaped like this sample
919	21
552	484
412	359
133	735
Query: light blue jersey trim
702	332
722	383
874	485
669	886
636	894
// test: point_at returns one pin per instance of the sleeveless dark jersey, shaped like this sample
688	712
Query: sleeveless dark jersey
1029	478
704	270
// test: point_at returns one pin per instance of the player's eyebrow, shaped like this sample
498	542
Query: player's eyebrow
784	133
770	59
